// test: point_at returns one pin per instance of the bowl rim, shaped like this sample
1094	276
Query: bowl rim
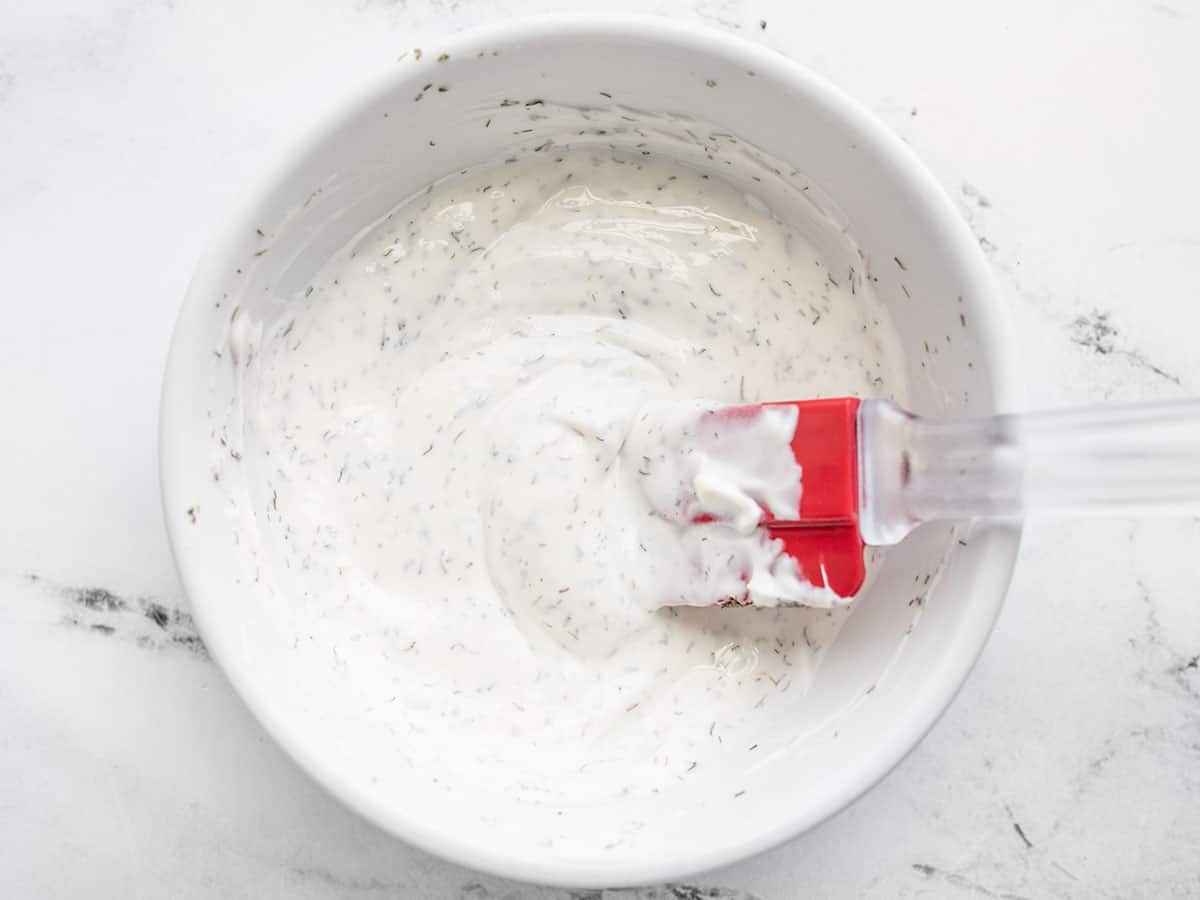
997	546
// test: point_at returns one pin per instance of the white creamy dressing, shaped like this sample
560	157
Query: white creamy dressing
480	441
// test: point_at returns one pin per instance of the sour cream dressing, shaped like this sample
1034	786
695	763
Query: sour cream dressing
481	440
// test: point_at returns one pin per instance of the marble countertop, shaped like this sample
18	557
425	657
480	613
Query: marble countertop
1069	765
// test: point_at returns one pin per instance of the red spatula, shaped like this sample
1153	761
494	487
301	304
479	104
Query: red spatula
871	473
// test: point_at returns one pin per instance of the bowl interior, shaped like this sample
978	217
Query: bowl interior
913	635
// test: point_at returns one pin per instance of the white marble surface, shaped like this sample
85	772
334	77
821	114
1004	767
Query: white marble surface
1069	133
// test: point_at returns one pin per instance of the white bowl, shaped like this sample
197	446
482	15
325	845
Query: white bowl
885	681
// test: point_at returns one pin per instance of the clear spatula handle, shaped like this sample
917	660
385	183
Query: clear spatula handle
1122	459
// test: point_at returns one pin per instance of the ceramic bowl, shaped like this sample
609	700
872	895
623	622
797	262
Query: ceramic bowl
915	633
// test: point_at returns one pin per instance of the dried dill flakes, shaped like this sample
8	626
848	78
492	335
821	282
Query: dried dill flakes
711	82
657	298
417	54
443	57
900	263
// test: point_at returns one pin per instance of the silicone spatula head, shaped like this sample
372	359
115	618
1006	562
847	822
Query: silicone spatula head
824	539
